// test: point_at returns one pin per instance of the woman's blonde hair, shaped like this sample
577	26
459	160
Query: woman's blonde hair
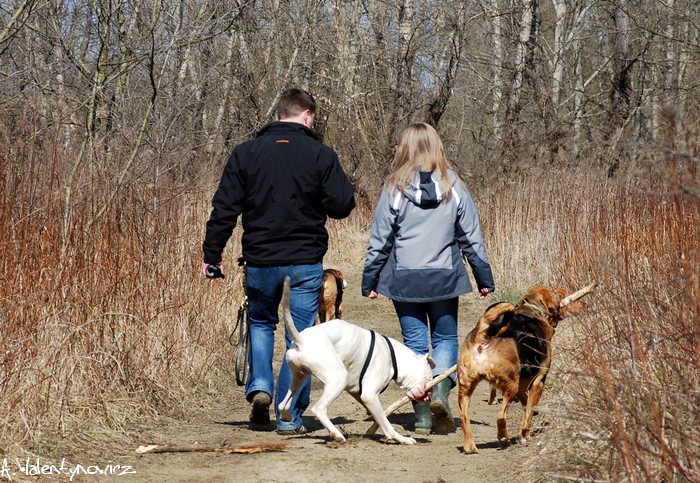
420	149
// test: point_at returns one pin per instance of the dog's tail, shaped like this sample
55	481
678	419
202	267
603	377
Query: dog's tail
495	321
287	313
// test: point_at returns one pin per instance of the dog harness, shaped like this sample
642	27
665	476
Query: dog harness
369	358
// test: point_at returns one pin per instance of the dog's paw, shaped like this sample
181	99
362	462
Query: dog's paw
397	438
338	437
470	449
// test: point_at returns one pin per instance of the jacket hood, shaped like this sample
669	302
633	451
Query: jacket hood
426	190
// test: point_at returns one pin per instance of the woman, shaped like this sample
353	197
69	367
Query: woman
424	222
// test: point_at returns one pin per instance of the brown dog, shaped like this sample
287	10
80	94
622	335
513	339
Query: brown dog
330	304
510	347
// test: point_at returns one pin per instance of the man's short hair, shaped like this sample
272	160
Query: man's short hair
293	102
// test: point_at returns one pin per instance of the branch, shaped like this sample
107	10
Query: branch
5	34
578	294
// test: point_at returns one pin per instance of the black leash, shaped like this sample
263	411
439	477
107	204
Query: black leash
369	358
242	330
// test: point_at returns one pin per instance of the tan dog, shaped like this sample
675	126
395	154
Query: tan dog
330	304
510	347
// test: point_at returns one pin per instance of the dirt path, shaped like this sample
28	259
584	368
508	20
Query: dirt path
314	456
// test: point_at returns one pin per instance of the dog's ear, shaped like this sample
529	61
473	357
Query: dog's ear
339	277
430	360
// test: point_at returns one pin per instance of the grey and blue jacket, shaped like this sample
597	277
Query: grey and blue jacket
417	241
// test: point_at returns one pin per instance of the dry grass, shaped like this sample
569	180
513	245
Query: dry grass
626	385
122	326
119	328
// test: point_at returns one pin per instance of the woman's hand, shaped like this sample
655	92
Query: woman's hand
372	294
483	293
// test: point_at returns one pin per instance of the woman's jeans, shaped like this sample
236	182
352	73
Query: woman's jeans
264	287
441	317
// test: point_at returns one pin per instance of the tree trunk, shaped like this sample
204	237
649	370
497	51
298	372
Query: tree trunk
404	61
668	92
621	92
497	90
559	49
519	62
448	65
579	99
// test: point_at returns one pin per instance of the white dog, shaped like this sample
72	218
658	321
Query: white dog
346	357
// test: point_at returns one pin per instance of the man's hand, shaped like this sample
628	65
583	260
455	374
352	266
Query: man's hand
205	266
483	293
372	295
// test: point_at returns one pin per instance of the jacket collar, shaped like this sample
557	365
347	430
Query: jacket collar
286	127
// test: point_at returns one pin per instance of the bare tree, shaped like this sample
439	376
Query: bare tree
495	15
520	60
620	108
16	20
529	80
450	33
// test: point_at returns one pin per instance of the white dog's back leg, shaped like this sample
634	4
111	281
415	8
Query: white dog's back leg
333	387
331	371
285	405
298	376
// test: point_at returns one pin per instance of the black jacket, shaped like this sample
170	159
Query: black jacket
284	183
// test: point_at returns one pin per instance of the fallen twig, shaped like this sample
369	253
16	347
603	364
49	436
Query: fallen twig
208	448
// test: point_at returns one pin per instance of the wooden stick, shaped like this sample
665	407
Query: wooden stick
396	405
578	294
208	448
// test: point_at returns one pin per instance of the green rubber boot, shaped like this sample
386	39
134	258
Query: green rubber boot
423	418
440	407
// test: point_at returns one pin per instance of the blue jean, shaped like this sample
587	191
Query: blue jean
431	325
264	286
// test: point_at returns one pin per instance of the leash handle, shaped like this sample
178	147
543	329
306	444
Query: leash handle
214	271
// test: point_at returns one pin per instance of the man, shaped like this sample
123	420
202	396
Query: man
284	184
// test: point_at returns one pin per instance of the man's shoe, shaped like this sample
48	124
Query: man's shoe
292	432
260	411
